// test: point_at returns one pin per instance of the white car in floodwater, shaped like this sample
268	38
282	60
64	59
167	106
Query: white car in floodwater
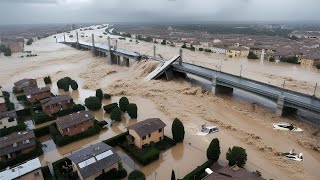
207	130
294	156
286	127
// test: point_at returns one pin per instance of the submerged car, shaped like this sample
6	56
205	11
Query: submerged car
286	127
207	130
294	156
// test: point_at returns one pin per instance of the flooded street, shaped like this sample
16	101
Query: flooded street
241	123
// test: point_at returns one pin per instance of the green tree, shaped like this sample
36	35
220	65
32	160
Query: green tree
136	175
164	42
252	55
200	49
47	80
177	130
184	46
74	85
123	103
30	41
99	94
108	108
7	52
237	156
318	66
213	151
115	114
106	96
173	176
192	48
132	110
271	59
92	103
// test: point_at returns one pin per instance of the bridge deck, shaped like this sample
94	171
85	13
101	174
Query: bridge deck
244	82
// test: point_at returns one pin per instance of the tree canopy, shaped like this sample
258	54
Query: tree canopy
237	156
93	103
115	114
213	151
136	175
99	94
132	110
123	103
177	130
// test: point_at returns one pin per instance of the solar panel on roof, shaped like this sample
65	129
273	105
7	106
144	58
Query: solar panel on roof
87	162
104	155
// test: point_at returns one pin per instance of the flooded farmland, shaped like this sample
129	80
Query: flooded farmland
241	123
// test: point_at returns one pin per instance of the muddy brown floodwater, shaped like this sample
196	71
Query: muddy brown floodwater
241	123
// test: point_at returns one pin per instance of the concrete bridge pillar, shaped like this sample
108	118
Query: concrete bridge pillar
154	51
126	61
282	110
219	89
109	53
93	48
77	45
180	59
169	74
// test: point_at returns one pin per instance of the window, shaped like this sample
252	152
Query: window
149	135
36	174
144	137
160	130
10	119
160	138
67	129
14	145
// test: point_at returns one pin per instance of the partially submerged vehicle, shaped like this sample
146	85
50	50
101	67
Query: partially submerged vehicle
286	127
205	130
294	156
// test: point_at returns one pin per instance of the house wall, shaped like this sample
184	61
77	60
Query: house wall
75	168
32	175
309	62
218	50
4	122
57	107
76	129
14	154
40	96
155	137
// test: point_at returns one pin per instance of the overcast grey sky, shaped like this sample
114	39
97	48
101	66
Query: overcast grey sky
68	11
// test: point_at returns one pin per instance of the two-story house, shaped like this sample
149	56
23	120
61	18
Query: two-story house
75	123
19	86
16	144
57	103
146	131
8	119
92	161
35	94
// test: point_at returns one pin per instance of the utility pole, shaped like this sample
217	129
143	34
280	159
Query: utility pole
64	37
116	46
220	65
77	39
155	175
315	89
154	51
109	46
240	70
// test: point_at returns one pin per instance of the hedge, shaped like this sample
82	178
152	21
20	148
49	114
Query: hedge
60	140
116	140
24	112
113	174
42	131
144	156
42	118
23	157
108	108
46	173
22	98
106	96
166	143
57	166
6	131
197	173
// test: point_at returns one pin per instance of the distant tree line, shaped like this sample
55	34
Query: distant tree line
292	59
